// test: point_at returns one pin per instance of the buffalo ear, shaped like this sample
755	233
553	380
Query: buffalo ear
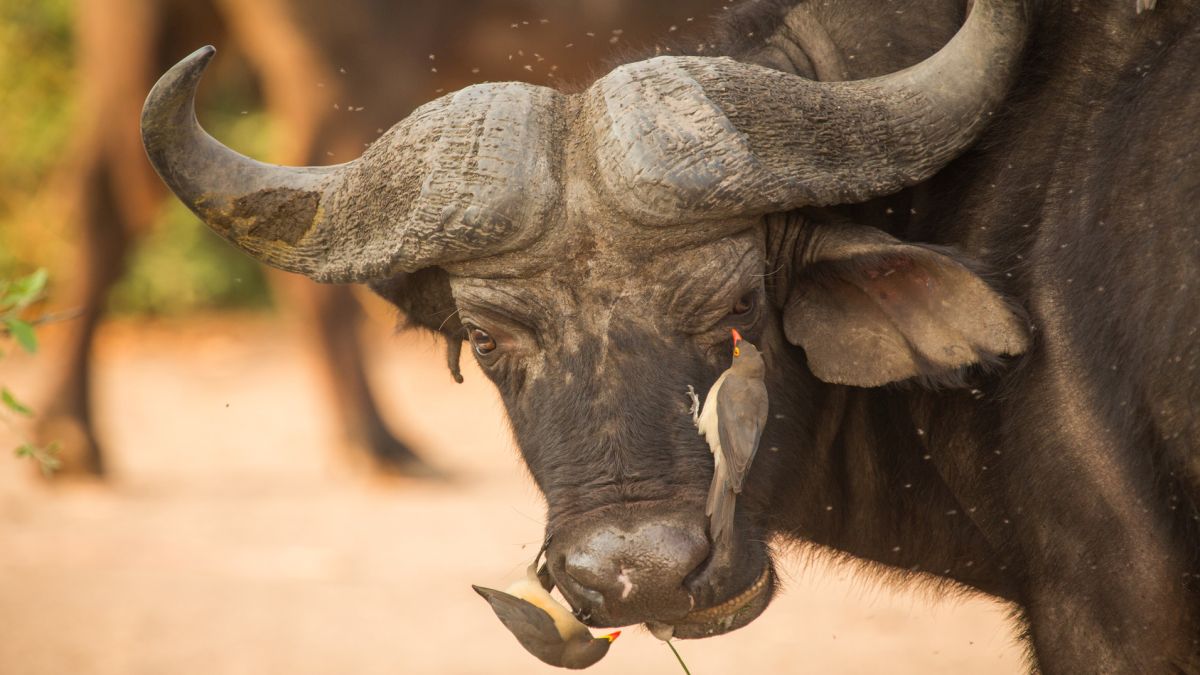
869	309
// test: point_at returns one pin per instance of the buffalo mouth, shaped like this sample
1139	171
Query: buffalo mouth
727	616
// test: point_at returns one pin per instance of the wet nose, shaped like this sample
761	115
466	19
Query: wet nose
617	576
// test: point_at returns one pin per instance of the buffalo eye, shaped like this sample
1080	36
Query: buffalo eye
745	304
481	341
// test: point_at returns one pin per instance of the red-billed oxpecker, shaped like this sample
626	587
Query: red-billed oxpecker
543	626
732	421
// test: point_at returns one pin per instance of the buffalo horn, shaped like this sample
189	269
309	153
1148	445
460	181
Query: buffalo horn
681	139
466	176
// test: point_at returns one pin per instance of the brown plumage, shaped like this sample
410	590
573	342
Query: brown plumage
732	421
544	627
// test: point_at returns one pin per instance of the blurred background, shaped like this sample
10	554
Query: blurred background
255	474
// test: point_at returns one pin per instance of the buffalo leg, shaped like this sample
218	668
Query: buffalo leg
331	315
111	193
291	64
67	418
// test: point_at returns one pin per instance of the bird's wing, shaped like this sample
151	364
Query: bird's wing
532	626
705	422
741	415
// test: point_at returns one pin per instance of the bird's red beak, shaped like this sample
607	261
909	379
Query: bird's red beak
737	337
612	636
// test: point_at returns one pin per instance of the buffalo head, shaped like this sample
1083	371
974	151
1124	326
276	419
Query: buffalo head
595	248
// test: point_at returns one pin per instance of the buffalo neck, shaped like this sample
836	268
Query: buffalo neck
874	473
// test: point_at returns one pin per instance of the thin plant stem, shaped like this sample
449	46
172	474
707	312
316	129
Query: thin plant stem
56	317
680	658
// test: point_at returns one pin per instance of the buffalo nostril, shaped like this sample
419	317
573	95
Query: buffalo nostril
626	576
580	585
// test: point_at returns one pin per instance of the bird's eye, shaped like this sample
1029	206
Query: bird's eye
481	341
745	304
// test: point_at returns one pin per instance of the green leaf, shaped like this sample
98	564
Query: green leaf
50	465
25	290
23	333
11	402
46	457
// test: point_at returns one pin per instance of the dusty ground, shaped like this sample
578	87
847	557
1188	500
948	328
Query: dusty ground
233	540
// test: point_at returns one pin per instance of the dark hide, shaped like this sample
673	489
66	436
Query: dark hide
1079	465
1085	196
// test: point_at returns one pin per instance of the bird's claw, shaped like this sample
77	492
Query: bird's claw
695	409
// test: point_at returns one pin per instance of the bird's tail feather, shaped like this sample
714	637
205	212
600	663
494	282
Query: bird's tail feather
714	491
721	502
722	516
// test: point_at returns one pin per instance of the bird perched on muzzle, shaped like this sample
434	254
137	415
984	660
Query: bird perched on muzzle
732	421
544	627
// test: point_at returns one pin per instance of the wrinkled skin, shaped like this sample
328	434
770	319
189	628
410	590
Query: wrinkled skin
593	364
581	400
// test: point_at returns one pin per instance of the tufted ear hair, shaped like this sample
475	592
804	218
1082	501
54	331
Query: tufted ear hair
869	309
427	302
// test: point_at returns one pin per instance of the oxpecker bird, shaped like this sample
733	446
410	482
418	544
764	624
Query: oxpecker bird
543	626
732	421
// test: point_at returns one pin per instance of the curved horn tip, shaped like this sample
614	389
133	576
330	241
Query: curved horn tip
196	60
189	67
200	57
204	52
180	79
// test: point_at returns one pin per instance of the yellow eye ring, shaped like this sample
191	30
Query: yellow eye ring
737	351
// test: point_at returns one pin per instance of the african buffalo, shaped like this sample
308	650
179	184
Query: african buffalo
974	282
